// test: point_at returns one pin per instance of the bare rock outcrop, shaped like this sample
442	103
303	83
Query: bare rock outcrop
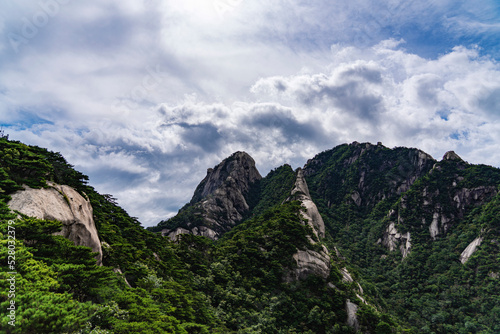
352	319
300	192
221	197
64	204
469	251
200	230
393	239
349	165
451	155
309	262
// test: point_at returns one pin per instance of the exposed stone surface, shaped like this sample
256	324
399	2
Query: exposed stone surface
223	193
173	234
346	275
434	228
460	199
392	238
310	262
471	248
239	168
352	319
65	204
200	230
221	197
451	155
465	197
400	173
301	193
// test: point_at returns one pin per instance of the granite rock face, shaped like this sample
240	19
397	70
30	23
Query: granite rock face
64	204
470	250
309	262
300	192
437	204
393	239
220	200
352	170
352	319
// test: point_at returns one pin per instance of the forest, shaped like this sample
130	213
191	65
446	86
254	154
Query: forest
149	283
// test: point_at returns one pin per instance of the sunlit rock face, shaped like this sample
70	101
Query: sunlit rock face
470	250
309	262
301	193
64	204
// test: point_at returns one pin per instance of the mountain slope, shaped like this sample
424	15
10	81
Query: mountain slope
362	239
142	287
403	221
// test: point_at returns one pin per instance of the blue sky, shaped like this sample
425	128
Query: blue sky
144	96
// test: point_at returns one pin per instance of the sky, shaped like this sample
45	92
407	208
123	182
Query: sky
144	95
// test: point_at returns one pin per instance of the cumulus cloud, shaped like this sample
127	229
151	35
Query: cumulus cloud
145	95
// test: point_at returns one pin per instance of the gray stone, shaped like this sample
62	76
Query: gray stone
220	198
309	263
352	319
64	204
300	192
470	250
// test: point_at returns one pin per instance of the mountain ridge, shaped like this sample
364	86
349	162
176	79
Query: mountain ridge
362	239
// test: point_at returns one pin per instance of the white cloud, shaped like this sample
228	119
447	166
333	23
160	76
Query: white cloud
145	95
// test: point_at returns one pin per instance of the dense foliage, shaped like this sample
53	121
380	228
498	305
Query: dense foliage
430	290
143	286
148	284
239	284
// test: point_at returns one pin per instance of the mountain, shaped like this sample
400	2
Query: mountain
361	239
386	210
219	201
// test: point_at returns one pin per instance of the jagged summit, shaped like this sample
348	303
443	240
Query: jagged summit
301	193
219	201
240	167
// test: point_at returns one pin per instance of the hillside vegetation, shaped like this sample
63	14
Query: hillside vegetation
241	282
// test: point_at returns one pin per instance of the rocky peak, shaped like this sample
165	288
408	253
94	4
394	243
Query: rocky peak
365	173
451	155
238	168
309	262
300	192
220	200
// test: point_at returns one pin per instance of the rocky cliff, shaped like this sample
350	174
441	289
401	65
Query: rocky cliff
64	204
437	202
219	201
364	174
309	262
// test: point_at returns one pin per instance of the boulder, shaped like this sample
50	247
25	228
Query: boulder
310	262
64	204
352	319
